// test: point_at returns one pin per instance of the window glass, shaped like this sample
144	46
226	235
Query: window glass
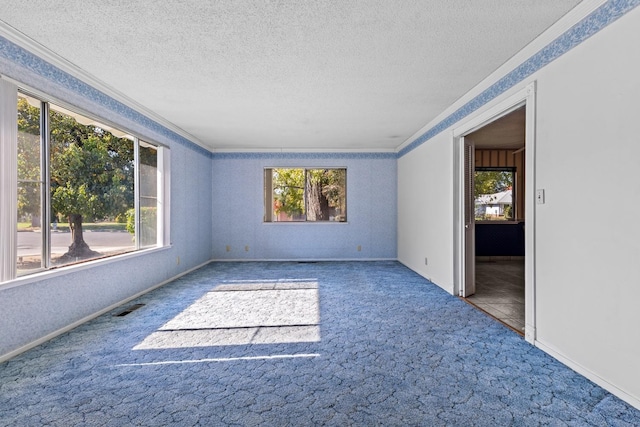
148	195
297	194
83	189
30	186
494	194
91	189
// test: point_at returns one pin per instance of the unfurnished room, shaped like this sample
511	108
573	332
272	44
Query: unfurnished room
290	213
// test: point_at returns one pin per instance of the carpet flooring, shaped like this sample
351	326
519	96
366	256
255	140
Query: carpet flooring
297	344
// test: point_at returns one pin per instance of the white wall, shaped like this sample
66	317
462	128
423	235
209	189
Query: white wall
238	210
425	210
36	307
587	260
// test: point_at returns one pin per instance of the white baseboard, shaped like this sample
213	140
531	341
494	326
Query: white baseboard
300	259
590	375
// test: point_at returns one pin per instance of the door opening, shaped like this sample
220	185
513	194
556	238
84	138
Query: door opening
495	236
494	255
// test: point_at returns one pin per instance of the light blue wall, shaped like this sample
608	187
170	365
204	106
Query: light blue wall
37	308
238	210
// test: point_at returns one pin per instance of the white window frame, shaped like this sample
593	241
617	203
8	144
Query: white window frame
8	180
9	91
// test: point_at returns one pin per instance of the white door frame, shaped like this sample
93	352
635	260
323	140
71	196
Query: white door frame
468	282
525	96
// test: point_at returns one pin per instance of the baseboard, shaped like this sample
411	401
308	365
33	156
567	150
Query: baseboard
77	323
301	259
590	375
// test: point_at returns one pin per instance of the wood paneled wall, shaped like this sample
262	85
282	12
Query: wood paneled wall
506	158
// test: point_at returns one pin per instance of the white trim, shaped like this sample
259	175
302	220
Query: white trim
303	150
136	193
459	252
524	96
85	319
8	182
530	215
305	222
303	260
30	45
8	192
164	196
589	374
318	165
73	268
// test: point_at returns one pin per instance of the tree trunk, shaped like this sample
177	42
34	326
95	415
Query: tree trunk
317	205
79	248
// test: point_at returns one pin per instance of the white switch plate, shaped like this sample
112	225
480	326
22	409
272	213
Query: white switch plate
540	197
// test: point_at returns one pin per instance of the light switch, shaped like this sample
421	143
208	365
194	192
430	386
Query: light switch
540	197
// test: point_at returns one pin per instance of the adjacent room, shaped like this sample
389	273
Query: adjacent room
498	220
285	213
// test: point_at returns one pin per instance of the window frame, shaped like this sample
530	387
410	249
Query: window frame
514	173
268	213
10	91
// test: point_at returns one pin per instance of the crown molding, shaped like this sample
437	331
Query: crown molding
302	150
303	155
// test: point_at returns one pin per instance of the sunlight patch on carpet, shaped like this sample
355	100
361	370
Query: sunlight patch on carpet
244	313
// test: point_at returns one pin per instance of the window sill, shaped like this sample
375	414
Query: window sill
70	269
492	222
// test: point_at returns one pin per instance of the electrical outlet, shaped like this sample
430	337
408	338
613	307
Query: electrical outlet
426	261
359	248
246	248
540	197
177	260
228	248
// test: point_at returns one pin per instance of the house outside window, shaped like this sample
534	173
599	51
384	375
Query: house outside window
494	194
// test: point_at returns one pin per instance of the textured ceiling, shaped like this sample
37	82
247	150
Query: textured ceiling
325	74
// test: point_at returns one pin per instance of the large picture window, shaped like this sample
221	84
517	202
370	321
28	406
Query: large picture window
299	194
84	190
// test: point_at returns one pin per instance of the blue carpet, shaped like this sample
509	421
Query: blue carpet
393	350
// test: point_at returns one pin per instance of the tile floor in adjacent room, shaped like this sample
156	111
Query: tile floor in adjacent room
299	344
500	291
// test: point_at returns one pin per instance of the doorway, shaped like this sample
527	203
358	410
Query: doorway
494	243
497	188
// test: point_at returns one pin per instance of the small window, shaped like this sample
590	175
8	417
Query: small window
312	195
495	194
